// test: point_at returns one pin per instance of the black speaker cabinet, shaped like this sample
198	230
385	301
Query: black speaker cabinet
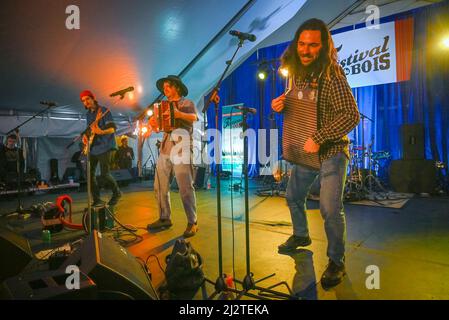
15	253
112	268
413	176
54	171
121	176
47	285
75	173
412	141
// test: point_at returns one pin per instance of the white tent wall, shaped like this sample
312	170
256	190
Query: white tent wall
43	126
51	135
149	151
54	148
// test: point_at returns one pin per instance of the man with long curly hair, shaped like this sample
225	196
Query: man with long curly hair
319	111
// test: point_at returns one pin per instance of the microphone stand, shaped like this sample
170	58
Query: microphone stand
153	162
363	117
370	180
248	282
18	166
220	283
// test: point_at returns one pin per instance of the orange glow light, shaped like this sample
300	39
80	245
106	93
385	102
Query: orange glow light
446	42
284	72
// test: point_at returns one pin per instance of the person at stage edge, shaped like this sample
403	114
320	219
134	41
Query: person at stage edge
125	155
185	114
102	146
8	159
311	58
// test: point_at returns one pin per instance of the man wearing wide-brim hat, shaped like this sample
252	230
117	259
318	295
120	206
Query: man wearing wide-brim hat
185	114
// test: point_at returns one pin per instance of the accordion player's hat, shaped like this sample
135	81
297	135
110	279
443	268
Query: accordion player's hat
173	78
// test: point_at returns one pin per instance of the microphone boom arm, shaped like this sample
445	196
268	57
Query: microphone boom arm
218	85
16	129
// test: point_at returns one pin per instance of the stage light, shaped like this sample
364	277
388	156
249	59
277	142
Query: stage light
284	72
139	89
445	42
262	75
149	112
144	130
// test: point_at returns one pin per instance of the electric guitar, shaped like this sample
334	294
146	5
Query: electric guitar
89	130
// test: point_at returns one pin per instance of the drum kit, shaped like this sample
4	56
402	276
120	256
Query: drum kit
277	181
366	172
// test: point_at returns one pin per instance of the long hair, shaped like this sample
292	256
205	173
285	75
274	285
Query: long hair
327	60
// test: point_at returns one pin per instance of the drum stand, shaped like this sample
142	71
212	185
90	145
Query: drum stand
354	183
278	184
371	181
359	187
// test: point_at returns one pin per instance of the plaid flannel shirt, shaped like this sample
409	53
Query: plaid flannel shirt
337	116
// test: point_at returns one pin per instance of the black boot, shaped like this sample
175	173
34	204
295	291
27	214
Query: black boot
333	275
294	242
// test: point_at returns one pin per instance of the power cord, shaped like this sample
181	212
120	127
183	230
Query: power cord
130	230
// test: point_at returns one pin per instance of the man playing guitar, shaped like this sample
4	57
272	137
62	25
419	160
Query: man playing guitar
102	126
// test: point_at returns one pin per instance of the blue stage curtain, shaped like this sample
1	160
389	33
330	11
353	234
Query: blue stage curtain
243	86
422	99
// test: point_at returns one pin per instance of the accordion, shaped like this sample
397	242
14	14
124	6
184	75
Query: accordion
166	123
300	123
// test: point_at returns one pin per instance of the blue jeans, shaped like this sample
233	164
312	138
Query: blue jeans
165	170
332	180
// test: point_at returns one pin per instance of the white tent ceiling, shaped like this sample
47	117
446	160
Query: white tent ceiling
121	44
133	43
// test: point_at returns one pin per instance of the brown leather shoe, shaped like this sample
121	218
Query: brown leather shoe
191	230
160	224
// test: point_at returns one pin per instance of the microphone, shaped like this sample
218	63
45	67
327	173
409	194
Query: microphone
246	109
48	103
242	35
122	92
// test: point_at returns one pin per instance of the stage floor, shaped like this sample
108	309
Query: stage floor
410	246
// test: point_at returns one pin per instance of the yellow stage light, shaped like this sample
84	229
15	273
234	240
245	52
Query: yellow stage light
445	42
284	72
262	75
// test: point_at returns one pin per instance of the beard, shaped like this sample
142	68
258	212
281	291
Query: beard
308	71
